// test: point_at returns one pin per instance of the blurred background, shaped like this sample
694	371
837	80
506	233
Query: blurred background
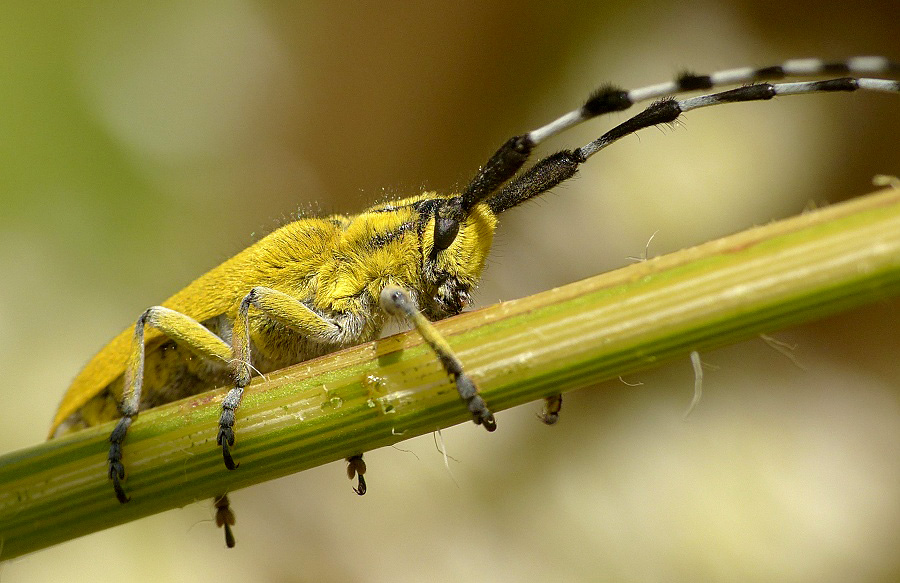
141	145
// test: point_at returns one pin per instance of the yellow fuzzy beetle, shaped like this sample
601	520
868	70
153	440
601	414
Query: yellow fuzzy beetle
319	284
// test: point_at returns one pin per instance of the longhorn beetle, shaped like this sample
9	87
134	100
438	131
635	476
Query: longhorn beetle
319	284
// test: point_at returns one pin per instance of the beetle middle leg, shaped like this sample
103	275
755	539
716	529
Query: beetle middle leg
280	307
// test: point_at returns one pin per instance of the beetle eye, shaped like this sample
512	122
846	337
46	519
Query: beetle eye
445	231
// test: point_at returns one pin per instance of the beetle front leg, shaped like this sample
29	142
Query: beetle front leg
397	302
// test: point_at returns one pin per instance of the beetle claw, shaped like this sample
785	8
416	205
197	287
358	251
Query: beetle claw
226	439
116	474
361	485
356	467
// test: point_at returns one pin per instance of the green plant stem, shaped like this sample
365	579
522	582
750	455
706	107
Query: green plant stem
393	389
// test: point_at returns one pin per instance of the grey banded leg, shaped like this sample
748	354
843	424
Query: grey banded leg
397	302
282	308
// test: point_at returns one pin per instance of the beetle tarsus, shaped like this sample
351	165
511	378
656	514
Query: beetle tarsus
552	406
481	415
225	438
116	467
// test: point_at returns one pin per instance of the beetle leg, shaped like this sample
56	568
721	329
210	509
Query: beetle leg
397	302
183	330
282	308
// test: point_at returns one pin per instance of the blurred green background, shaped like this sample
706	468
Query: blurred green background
140	145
